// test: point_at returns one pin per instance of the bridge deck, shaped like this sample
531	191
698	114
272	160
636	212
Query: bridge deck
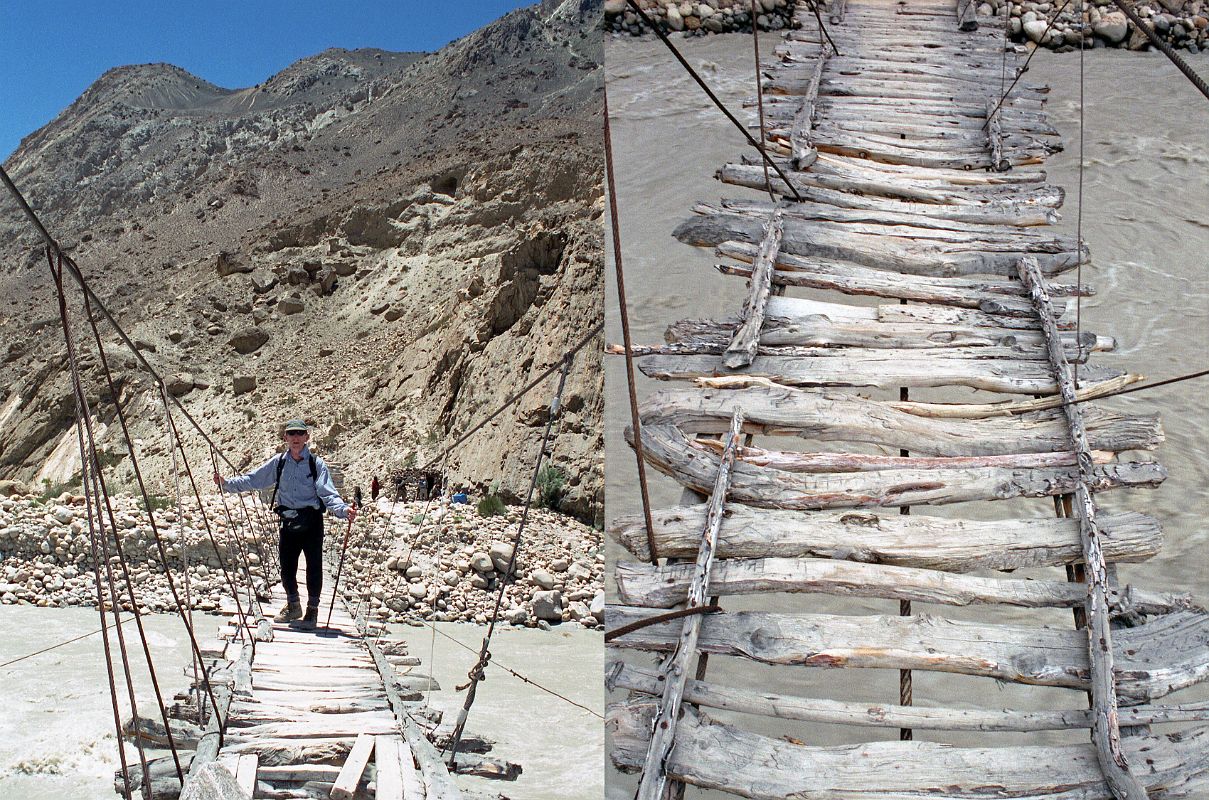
914	187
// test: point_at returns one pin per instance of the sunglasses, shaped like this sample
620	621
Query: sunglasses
296	433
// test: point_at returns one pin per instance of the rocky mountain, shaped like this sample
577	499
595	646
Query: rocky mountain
388	244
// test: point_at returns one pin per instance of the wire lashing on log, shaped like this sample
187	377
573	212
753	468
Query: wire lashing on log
623	312
476	672
714	98
638	625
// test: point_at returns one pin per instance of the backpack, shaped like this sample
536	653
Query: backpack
314	479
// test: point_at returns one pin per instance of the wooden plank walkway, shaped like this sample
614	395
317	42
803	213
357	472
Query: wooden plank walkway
310	713
919	189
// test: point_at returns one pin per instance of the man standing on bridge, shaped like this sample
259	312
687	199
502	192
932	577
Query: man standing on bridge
302	489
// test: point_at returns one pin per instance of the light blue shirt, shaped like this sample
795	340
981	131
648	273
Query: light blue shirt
296	489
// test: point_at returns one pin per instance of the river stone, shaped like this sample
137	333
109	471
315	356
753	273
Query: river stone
500	552
598	607
481	562
674	20
63	514
1112	27
413	572
548	605
541	578
479	582
248	340
1035	30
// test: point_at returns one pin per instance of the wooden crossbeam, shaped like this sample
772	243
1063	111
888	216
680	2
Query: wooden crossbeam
742	348
1106	732
675	667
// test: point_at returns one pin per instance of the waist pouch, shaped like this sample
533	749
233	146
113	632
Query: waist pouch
299	520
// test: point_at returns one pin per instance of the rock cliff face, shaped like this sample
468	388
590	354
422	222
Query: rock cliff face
389	244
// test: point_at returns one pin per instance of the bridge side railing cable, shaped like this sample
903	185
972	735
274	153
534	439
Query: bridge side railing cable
97	538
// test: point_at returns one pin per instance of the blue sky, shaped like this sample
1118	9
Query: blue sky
52	50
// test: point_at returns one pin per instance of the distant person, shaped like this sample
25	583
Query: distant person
302	489
422	488
400	495
374	488
357	497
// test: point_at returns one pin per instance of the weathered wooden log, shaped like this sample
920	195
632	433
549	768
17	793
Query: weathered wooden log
982	198
491	768
882	369
675	668
718	756
151	732
826	141
820	330
956	545
801	150
621	675
898	253
829	348
345	785
1152	660
165	784
665	586
278	752
742	348
438	784
783	411
1025	215
994	138
1105	730
806	210
669	450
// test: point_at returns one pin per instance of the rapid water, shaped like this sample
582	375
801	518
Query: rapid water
1145	216
56	723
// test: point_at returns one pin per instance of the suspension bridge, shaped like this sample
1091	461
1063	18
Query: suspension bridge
273	710
899	165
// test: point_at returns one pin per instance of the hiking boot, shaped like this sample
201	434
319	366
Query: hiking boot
311	620
289	613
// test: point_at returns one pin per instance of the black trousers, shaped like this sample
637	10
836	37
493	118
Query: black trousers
302	535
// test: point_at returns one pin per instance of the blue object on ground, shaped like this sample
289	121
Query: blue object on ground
460	497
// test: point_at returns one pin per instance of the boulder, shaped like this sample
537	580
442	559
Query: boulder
291	304
1112	27
230	263
179	384
10	488
263	280
481	562
393	313
541	579
548	606
297	276
500	552
242	384
248	340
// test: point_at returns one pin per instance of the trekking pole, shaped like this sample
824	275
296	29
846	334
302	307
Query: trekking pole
339	569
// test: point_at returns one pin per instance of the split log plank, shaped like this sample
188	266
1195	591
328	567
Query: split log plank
245	772
783	411
345	786
665	586
719	756
956	545
389	775
1154	659
621	675
802	151
880	369
994	137
670	451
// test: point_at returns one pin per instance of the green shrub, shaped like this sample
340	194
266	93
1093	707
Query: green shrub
159	502
551	487
492	506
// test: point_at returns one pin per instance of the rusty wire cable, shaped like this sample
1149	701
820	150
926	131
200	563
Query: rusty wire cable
623	310
714	98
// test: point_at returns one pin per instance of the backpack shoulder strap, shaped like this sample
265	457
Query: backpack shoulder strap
277	482
314	472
